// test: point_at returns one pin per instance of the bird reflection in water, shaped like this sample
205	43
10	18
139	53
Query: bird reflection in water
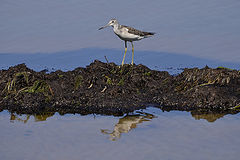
127	123
25	118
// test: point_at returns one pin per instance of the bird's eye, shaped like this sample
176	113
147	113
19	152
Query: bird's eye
112	21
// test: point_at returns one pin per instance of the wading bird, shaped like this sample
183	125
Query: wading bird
127	34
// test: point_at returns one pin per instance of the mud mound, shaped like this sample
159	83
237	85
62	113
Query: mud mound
105	88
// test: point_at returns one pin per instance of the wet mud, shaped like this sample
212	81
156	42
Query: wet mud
105	88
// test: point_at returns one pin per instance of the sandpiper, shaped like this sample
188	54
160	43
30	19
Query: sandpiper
127	34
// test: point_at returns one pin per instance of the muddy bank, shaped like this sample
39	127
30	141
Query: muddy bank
105	88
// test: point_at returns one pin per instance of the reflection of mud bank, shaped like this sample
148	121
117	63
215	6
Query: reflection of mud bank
106	88
209	116
25	118
129	122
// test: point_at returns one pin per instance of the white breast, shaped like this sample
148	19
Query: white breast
124	35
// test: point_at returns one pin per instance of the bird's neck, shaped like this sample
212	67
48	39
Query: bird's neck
116	26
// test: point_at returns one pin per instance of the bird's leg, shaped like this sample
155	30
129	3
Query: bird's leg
132	52
124	53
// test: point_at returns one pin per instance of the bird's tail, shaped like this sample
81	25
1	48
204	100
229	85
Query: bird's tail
148	34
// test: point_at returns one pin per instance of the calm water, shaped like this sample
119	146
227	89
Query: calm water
61	34
145	134
207	28
65	61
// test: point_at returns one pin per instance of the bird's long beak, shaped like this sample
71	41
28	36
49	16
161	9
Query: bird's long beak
103	27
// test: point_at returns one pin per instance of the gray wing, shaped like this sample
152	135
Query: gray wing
138	32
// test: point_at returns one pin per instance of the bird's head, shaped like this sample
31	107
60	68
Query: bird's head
112	22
